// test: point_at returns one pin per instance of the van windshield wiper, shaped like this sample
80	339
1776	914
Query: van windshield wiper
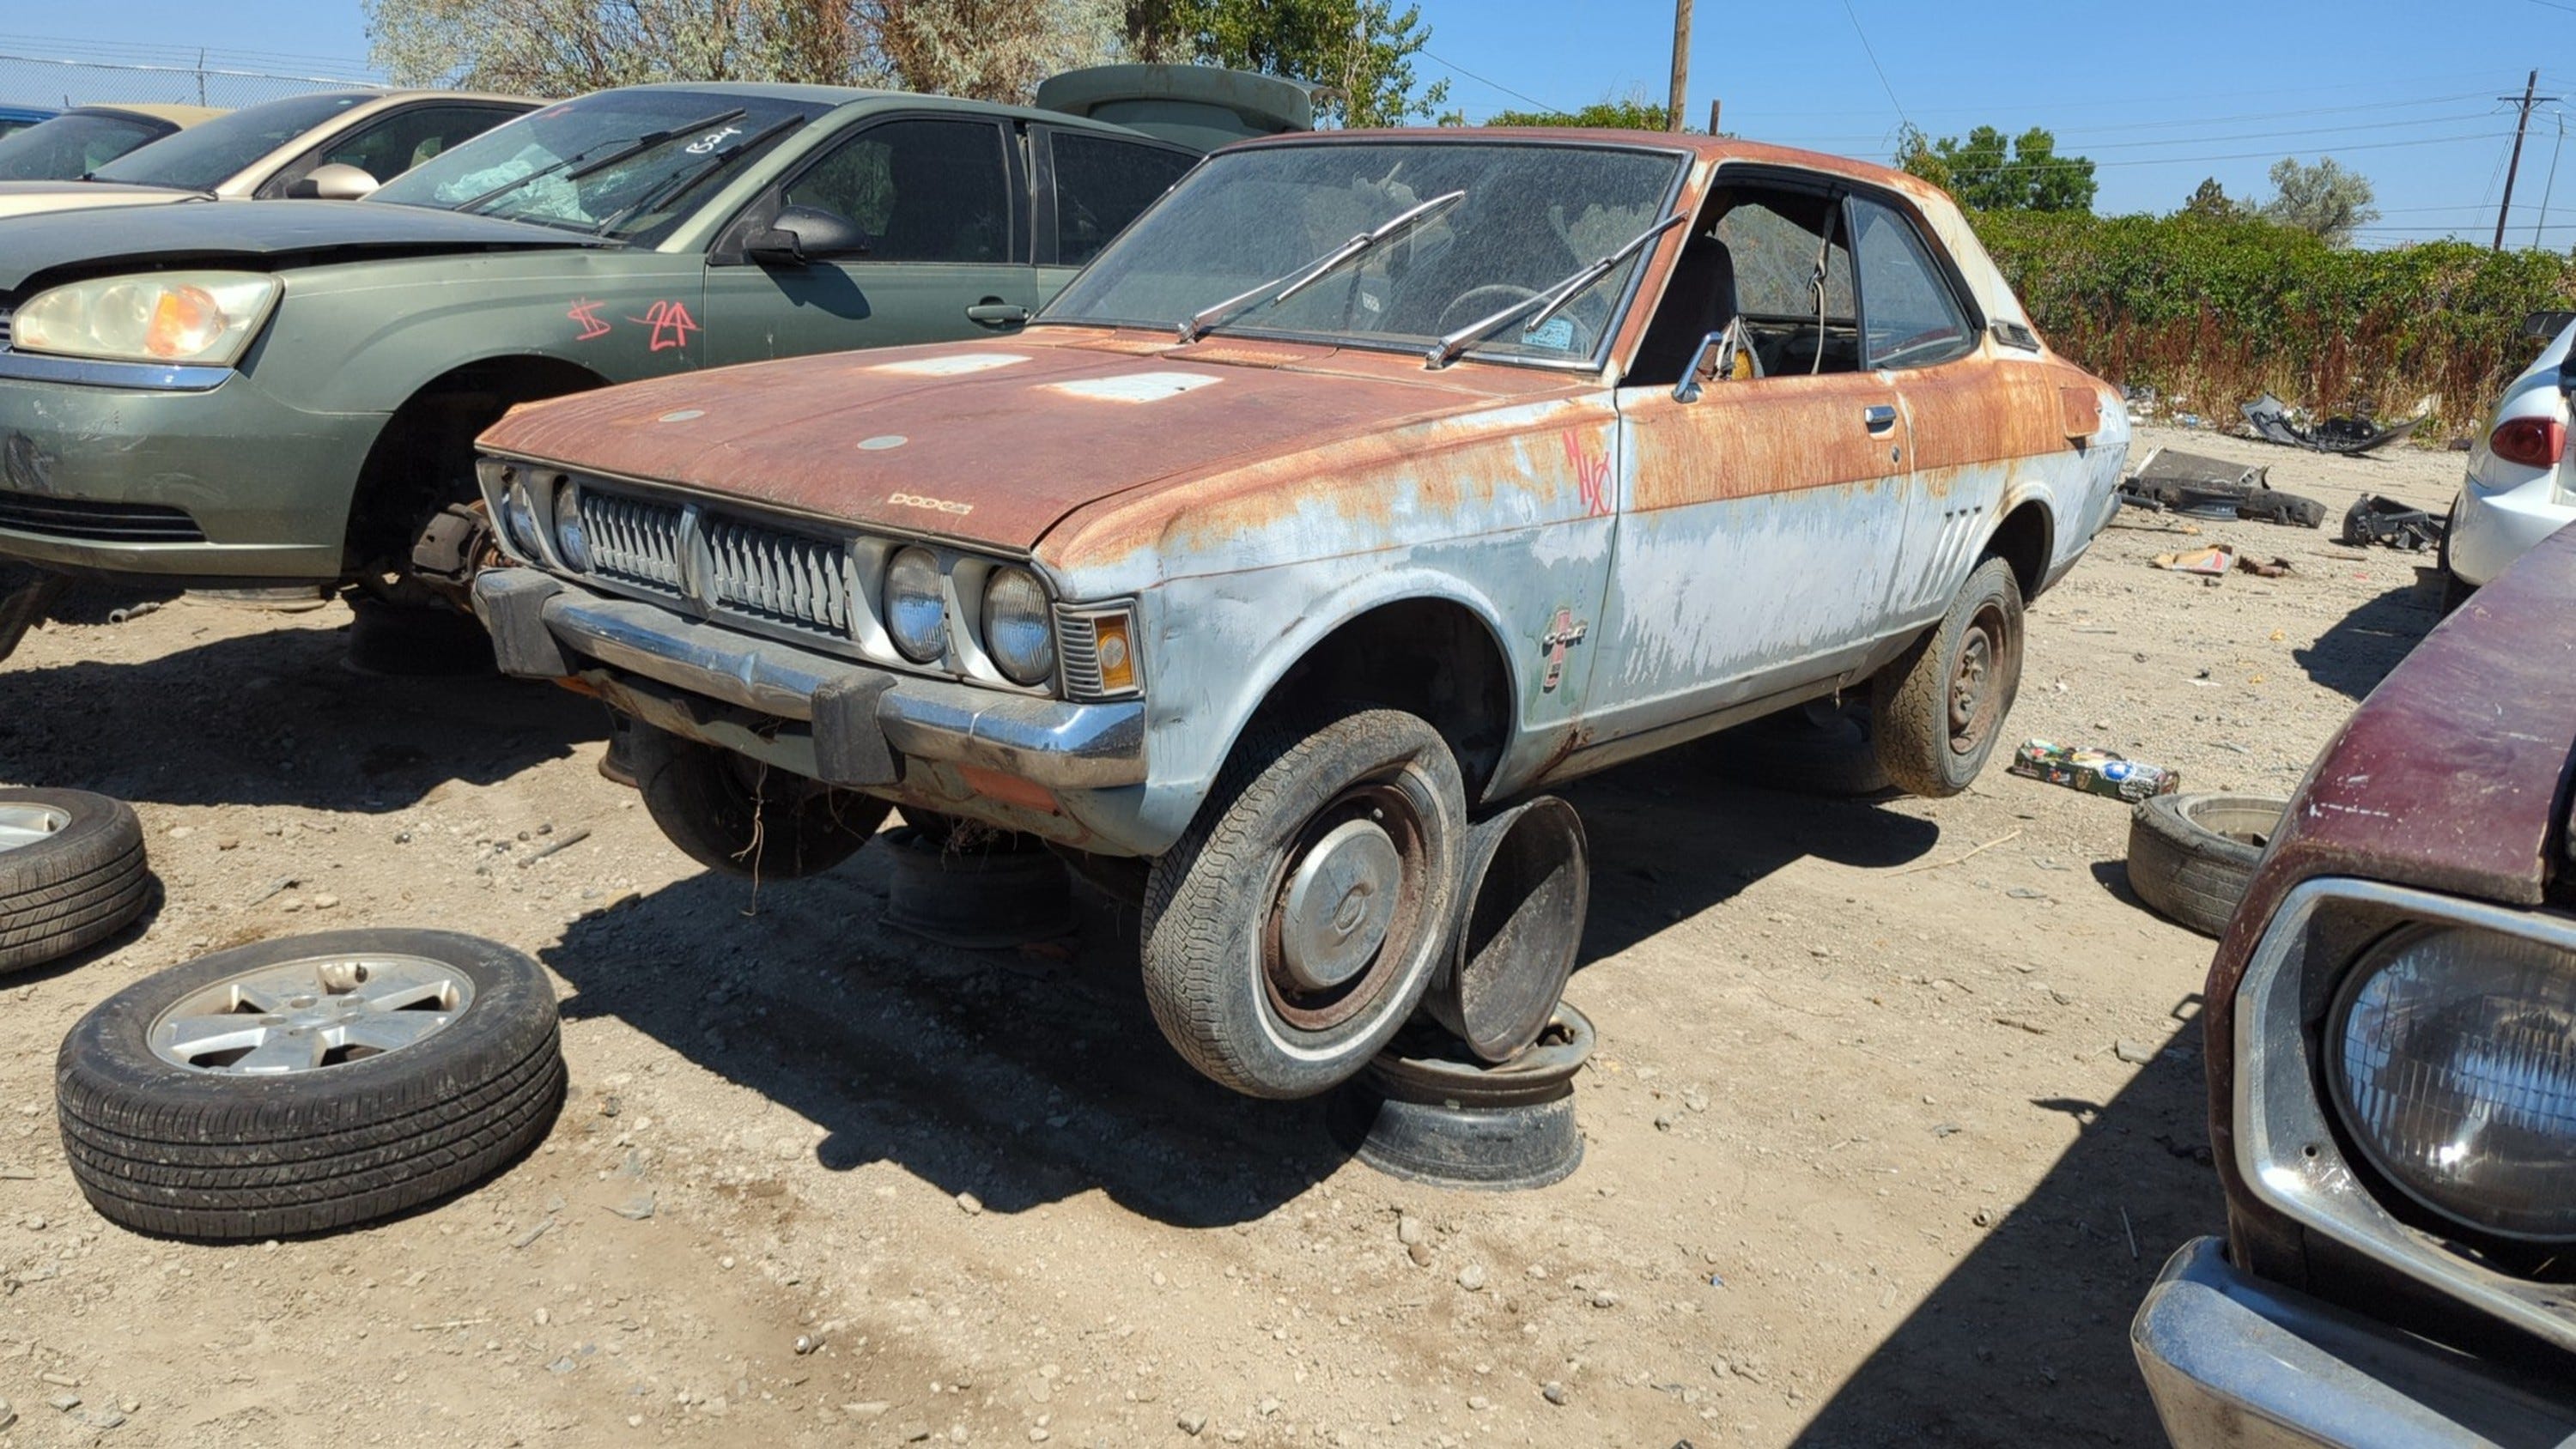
627	152
1549	302
1299	279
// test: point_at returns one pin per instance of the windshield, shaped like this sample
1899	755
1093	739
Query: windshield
535	168
67	148
1532	214
206	156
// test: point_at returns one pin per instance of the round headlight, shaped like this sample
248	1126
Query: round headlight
916	607
1019	632
2453	1054
519	518
572	540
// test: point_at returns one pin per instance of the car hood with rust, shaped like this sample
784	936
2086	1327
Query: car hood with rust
63	245
990	443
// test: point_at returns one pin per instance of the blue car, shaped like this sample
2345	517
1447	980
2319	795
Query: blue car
19	118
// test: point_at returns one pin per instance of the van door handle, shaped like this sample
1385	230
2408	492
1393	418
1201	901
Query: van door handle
994	312
1879	416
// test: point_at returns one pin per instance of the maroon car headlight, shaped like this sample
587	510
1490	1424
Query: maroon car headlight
2452	1056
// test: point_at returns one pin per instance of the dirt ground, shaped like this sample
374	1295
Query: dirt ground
1868	1162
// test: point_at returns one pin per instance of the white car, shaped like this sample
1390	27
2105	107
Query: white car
2518	490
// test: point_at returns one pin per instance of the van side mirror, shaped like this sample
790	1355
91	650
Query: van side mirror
336	181
802	234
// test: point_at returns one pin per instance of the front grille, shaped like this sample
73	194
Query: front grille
632	540
783	577
92	522
5	315
1077	655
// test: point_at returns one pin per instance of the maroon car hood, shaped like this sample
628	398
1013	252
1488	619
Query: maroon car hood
988	443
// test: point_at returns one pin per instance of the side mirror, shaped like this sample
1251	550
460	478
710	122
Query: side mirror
1713	358
333	182
802	234
2543	326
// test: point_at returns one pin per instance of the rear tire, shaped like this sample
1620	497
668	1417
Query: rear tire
1938	711
180	1145
79	881
2191	857
734	814
1298	921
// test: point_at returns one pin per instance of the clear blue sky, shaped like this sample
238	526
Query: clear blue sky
2160	95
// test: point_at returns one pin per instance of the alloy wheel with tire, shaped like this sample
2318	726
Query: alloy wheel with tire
732	813
1298	921
2191	857
1938	711
311	1083
72	873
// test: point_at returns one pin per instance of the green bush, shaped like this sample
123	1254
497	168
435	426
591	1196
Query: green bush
2221	311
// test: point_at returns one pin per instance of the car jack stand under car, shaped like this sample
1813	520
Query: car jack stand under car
26	599
1424	1111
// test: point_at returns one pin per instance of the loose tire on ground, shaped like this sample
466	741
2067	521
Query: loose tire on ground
420	1063
2192	856
733	814
72	873
1228	991
1938	711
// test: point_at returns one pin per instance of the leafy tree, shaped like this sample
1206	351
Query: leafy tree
1362	50
2323	200
2210	202
1990	172
1630	113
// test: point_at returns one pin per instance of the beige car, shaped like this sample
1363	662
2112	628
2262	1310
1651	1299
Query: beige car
333	144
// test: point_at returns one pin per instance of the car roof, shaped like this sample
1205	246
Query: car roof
176	115
860	95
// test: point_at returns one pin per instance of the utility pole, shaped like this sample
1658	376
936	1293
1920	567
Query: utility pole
1681	65
2552	188
2521	124
1716	108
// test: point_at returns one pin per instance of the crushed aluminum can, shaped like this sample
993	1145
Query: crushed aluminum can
2094	772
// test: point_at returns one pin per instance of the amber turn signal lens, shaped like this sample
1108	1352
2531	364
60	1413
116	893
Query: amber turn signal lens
1117	654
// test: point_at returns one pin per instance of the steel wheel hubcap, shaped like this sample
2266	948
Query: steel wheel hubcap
1340	903
27	824
311	1014
1968	690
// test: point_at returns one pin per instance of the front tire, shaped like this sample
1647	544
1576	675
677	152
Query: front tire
1298	921
731	813
1940	708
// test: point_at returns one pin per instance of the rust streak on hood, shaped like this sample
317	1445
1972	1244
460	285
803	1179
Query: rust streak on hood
990	442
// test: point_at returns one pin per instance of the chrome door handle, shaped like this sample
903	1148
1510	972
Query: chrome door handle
1879	416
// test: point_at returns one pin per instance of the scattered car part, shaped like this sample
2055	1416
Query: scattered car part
1300	918
2209	561
72	873
1424	1112
307	1084
1940	708
2271	420
1523	897
2374	519
1822	747
737	815
2191	856
2275	567
1003	890
2093	772
2173	481
2288	510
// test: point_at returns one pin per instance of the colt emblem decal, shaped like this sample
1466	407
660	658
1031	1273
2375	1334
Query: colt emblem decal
1564	631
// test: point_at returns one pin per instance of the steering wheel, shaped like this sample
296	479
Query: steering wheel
1502	293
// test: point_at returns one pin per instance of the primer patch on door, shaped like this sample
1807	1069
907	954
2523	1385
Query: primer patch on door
1138	387
955	364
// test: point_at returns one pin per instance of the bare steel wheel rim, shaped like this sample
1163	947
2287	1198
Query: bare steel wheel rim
23	825
1976	687
311	1014
1345	908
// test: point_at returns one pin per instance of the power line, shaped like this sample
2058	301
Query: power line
1494	84
2090	146
1872	52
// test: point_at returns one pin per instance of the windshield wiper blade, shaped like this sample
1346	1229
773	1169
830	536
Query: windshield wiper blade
1549	302
686	179
629	151
1298	280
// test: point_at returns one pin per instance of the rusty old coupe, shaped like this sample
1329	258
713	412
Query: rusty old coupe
1367	482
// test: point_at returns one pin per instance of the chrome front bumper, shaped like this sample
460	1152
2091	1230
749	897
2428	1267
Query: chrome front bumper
858	717
2234	1361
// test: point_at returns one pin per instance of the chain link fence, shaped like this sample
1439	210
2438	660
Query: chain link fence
32	80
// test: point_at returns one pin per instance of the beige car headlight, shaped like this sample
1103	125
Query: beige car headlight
184	317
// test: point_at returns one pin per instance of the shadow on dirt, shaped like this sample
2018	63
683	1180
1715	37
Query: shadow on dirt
2024	1341
2354	655
277	718
1032	1076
